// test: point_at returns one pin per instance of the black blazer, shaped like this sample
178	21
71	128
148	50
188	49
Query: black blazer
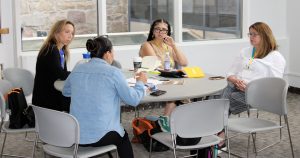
48	70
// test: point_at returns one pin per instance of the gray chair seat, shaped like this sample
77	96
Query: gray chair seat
83	152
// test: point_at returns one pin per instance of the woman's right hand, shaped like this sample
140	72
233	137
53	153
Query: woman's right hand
141	76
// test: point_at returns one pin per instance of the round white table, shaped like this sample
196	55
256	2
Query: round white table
191	88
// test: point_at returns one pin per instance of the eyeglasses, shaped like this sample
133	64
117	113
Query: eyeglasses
158	30
252	34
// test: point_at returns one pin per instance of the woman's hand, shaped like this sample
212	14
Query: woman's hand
239	84
169	41
141	76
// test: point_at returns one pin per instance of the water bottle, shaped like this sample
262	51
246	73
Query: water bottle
85	58
167	62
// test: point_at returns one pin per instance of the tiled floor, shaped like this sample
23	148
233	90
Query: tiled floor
17	145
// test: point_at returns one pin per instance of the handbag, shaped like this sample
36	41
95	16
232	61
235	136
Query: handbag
143	129
20	113
172	74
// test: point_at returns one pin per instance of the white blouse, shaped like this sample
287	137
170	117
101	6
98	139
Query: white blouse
272	65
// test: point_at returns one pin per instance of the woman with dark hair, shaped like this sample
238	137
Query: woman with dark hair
51	66
96	89
158	43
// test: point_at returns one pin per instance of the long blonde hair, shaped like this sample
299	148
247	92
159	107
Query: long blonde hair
268	42
51	39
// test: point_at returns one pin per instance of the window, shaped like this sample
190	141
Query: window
37	17
211	19
128	22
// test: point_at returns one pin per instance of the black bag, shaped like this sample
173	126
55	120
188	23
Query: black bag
187	141
202	153
20	113
156	146
172	74
142	129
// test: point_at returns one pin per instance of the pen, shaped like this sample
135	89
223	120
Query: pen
164	80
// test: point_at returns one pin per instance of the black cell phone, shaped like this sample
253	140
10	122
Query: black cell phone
158	93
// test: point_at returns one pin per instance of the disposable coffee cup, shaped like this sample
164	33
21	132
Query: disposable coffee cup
137	63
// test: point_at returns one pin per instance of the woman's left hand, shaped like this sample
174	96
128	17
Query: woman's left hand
241	85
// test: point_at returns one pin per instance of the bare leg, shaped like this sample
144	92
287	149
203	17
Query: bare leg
170	106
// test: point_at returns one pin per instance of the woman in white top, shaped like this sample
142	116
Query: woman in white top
260	60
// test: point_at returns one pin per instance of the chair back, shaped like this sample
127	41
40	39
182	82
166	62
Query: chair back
268	94
5	87
55	127
198	119
20	78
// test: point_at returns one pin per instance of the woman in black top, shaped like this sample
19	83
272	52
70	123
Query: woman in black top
51	66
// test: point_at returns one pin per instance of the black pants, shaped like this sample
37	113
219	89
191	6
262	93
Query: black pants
123	144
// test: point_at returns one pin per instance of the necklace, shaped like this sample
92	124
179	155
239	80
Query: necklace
163	48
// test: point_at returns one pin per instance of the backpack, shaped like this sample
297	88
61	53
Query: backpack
20	113
142	130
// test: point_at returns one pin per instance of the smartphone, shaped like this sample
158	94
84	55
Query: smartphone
158	92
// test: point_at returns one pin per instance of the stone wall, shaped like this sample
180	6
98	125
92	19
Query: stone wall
39	15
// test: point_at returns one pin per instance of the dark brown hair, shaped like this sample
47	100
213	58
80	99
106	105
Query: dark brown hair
150	36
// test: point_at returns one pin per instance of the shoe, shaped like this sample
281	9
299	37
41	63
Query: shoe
163	122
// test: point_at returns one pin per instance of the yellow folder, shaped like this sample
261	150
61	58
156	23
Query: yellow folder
193	72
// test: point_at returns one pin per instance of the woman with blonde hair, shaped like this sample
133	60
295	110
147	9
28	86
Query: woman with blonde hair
51	66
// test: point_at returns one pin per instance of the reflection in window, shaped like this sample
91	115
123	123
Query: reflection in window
38	16
130	23
211	19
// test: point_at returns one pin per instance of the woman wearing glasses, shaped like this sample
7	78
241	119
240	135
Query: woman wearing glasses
159	42
262	59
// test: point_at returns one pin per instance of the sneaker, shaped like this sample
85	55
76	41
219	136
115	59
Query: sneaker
164	123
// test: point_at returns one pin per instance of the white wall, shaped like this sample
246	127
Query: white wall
293	26
215	56
6	47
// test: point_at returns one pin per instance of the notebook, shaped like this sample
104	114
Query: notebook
193	72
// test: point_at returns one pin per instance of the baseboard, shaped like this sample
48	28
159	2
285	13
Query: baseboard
294	90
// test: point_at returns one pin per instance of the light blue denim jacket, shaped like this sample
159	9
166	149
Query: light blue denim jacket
96	90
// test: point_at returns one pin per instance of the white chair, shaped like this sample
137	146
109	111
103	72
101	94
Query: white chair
20	78
5	86
266	94
60	133
198	119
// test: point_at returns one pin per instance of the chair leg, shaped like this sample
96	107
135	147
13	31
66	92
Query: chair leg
150	148
174	152
254	142
288	128
5	134
117	154
34	145
248	145
227	141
